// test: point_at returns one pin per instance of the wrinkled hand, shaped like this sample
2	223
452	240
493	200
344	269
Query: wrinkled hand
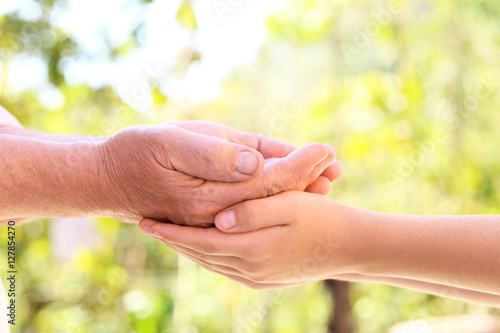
172	174
270	148
280	241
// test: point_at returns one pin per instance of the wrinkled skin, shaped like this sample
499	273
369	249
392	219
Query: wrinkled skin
185	172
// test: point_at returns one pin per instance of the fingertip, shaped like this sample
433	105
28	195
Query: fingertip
322	186
328	161
226	220
337	170
330	150
313	153
237	218
270	147
340	169
319	148
145	225
334	171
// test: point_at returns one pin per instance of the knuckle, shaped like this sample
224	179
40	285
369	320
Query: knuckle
251	269
256	272
212	147
293	178
206	249
201	210
248	214
256	252
272	187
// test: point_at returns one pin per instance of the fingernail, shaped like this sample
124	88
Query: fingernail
157	235
145	229
247	162
330	148
227	219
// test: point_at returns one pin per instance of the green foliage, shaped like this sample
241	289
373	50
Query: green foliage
407	97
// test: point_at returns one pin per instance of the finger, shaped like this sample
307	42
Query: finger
334	171
258	214
294	172
321	185
224	260
207	157
235	276
208	241
271	159
214	269
268	147
302	167
195	256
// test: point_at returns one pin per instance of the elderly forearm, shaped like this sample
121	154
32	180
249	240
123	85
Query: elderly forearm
456	251
47	179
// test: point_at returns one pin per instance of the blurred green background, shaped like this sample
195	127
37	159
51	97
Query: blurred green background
406	91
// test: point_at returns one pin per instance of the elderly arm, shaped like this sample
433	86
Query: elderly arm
47	179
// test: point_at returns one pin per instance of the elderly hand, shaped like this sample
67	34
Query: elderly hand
171	173
270	148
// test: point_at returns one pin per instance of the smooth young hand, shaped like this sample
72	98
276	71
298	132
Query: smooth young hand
284	240
297	237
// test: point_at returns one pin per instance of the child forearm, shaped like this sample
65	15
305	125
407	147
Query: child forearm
455	251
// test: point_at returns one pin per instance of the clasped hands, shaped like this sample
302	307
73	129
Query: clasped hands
242	205
189	175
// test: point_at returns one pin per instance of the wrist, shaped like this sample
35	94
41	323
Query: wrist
378	244
85	179
102	194
112	182
354	230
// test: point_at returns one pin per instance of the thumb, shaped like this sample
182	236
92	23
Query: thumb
209	157
258	214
